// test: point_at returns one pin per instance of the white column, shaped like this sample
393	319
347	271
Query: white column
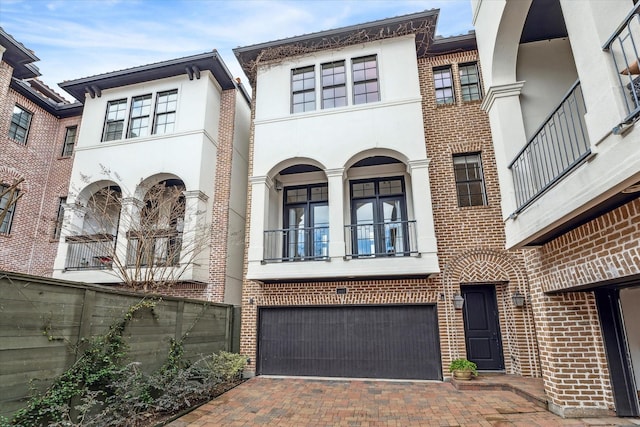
260	188
335	179
422	208
130	209
507	128
195	233
71	226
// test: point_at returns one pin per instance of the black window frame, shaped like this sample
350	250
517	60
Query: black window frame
134	115
170	110
466	198
304	90
466	93
308	205
70	137
7	222
440	86
366	81
334	83
57	226
17	125
117	134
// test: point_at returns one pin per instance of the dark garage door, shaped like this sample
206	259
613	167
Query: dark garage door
356	341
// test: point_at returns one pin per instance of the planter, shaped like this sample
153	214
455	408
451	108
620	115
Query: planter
462	375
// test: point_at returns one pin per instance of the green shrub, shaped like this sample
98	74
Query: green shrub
463	365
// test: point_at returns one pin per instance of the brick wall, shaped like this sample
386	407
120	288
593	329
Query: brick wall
29	247
470	242
572	354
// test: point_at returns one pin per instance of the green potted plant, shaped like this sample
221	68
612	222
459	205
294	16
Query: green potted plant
463	369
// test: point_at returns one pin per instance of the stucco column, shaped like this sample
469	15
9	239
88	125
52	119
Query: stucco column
260	188
502	102
422	208
335	179
130	209
71	226
195	248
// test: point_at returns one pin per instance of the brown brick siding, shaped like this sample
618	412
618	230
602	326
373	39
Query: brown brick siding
29	247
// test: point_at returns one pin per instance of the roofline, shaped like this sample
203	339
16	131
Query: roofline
19	57
59	110
462	42
24	50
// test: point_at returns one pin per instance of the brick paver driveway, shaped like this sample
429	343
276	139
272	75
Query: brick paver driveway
305	402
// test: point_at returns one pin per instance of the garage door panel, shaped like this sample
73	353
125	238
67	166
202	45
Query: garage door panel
355	341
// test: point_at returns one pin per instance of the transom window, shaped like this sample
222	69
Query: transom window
69	141
334	91
166	106
469	82
469	180
20	122
444	85
303	89
8	198
139	118
306	222
114	125
365	80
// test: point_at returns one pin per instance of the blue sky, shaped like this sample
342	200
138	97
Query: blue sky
80	38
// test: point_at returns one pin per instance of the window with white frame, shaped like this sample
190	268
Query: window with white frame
334	90
139	117
20	122
365	80
303	89
8	198
443	84
469	82
469	179
69	141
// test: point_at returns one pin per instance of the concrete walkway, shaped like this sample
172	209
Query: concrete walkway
309	402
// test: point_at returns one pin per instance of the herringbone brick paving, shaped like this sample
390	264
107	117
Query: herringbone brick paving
297	402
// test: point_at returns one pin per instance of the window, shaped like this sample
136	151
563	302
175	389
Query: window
166	106
19	127
334	91
469	82
114	123
378	214
8	198
444	85
57	228
306	222
469	180
139	118
69	141
303	89
365	80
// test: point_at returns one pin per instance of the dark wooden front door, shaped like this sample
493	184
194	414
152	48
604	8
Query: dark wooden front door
398	341
481	327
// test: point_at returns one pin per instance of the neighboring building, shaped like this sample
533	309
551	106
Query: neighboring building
373	203
562	94
37	136
175	127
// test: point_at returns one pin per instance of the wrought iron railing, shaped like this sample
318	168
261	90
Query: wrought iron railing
559	145
624	47
90	252
393	238
157	248
296	244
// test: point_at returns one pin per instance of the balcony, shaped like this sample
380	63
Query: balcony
90	252
296	244
394	238
158	248
624	45
558	146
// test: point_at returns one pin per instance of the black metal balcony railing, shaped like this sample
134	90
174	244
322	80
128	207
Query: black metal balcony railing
296	244
90	252
559	145
394	238
158	248
624	46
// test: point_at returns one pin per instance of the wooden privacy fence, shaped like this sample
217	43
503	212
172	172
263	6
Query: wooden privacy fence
42	321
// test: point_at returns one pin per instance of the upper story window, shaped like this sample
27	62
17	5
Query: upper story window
57	227
469	180
139	118
114	122
334	90
20	122
69	141
303	89
469	82
306	222
8	198
365	80
443	84
166	106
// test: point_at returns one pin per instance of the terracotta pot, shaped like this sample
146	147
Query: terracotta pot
462	375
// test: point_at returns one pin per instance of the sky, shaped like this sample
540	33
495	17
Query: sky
81	38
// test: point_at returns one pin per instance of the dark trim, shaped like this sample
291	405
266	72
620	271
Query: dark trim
174	67
58	110
18	57
459	43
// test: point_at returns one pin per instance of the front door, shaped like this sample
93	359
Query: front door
481	327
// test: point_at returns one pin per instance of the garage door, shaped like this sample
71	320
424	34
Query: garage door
357	341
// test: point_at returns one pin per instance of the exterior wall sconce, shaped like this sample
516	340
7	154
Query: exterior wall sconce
518	299
458	302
